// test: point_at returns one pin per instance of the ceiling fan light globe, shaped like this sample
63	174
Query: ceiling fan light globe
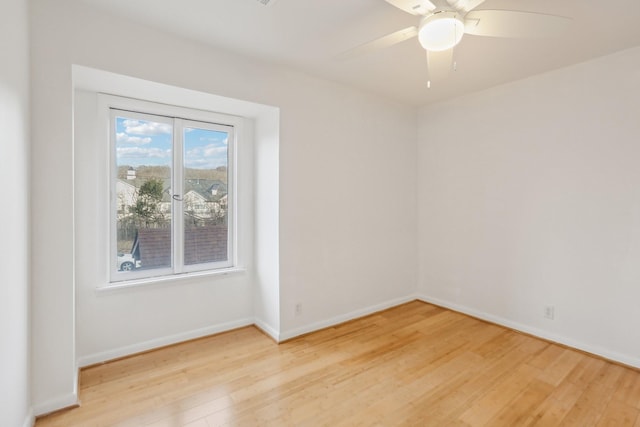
441	31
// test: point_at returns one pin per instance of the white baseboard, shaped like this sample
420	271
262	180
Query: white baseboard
55	404
116	353
267	329
550	336
58	403
344	318
29	420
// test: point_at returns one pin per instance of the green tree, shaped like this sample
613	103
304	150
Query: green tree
147	206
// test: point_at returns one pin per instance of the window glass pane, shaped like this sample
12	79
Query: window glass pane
205	198
143	190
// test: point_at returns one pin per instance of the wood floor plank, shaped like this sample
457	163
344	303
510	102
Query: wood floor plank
412	365
586	371
618	414
500	396
555	407
516	413
628	388
558	370
589	408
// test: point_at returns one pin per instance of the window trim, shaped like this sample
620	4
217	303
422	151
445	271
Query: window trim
141	108
172	279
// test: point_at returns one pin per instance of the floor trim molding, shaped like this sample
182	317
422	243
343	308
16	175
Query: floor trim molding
29	420
117	353
612	356
56	405
336	320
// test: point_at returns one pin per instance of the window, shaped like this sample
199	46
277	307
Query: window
172	190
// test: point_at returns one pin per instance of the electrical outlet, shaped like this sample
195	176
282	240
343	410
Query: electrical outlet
298	310
549	312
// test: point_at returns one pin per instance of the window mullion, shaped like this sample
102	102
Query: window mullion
178	197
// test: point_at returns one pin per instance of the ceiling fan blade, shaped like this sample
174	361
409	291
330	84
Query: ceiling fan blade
414	7
381	43
510	23
440	64
465	5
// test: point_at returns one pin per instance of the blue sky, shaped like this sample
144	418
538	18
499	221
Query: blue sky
143	142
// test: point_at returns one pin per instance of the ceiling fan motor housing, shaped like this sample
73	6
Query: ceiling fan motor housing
441	31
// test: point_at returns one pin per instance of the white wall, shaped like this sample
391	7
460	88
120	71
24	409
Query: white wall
348	206
266	240
14	215
529	195
345	166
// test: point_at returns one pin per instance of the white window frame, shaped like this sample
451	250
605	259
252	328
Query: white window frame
179	117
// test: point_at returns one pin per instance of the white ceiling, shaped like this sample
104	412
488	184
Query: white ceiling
308	34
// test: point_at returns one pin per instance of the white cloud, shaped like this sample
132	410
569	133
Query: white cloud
142	127
224	140
123	138
209	156
210	150
139	153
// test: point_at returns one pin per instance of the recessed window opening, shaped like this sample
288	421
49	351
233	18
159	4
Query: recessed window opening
172	195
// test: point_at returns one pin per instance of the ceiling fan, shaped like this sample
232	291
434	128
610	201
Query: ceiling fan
444	22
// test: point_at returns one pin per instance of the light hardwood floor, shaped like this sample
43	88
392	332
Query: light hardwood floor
413	365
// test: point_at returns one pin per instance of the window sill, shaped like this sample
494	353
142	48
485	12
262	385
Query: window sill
151	281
